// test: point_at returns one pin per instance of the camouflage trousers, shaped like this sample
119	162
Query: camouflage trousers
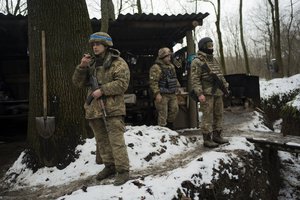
167	109
212	118
111	142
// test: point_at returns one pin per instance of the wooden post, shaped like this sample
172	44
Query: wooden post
193	110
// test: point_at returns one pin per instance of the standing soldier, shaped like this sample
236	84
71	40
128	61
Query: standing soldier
209	93
106	110
164	84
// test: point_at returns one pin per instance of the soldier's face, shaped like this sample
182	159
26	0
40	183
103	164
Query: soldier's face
167	59
98	48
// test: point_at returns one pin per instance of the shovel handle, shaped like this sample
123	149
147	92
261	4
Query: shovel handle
44	75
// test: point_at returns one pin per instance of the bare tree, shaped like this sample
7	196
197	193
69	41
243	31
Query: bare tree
14	7
139	7
289	38
276	34
233	46
219	33
242	38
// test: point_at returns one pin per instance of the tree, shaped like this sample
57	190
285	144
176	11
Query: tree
242	38
107	14
14	7
139	6
219	32
276	34
67	27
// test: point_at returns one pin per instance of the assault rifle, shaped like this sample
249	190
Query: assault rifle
218	82
93	83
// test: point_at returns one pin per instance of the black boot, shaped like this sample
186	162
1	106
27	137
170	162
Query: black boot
208	142
170	125
108	171
122	177
217	137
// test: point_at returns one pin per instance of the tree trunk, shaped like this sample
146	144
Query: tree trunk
193	110
278	40
104	16
139	6
107	14
242	38
66	33
222	59
289	44
276	33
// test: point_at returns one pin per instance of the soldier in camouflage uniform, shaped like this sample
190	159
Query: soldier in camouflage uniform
164	84
209	95
113	76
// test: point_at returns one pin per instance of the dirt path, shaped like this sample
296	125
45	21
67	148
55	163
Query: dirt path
232	121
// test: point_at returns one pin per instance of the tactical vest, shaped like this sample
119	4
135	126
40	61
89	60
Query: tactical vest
168	82
207	79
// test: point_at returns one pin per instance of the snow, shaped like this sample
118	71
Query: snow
142	140
279	86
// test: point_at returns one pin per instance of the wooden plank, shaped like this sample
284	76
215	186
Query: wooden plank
284	145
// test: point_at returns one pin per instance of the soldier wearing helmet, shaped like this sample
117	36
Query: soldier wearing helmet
208	93
164	84
113	75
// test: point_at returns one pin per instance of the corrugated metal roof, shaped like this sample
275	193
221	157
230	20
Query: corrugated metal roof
146	33
134	33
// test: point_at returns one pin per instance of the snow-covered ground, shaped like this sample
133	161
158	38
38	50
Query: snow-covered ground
162	144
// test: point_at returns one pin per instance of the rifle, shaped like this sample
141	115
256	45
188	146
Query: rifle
94	86
217	81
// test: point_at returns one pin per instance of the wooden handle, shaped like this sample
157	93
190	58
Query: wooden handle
44	75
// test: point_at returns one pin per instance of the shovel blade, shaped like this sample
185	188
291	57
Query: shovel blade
45	126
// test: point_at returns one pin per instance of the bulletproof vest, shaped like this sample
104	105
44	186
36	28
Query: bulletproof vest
168	82
214	67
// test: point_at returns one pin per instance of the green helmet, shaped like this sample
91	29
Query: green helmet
101	37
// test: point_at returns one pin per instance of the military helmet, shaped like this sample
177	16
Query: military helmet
202	44
164	52
101	37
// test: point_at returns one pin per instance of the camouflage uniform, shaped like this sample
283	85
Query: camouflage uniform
202	83
113	76
168	108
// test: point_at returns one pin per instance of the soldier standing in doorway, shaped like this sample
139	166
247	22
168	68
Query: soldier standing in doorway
209	93
164	84
106	109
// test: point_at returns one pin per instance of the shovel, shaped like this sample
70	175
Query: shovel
45	125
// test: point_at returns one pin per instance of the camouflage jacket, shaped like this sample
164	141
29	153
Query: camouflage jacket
156	74
113	77
202	82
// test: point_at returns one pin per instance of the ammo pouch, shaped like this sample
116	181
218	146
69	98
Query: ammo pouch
168	85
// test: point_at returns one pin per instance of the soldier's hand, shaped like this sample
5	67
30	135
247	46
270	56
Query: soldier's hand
158	98
201	98
97	93
85	60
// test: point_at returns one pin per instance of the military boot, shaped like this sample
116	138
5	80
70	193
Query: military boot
108	170
121	177
208	142
170	125
217	137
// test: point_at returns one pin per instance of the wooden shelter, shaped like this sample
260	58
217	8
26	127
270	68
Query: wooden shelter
137	36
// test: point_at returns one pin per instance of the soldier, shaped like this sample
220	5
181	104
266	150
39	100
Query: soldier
164	84
208	93
112	74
